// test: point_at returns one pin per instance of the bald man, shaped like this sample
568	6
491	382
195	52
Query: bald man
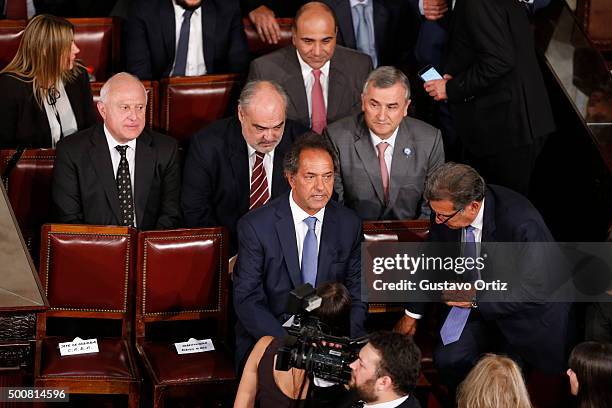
323	81
236	164
118	173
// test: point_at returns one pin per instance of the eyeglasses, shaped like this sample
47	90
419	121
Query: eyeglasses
445	218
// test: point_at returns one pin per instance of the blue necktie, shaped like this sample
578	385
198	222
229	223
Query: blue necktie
310	253
180	62
362	33
457	317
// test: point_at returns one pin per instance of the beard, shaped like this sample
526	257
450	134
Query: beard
366	391
192	7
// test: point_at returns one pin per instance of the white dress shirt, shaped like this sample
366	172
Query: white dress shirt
477	224
60	116
388	404
130	154
195	53
268	163
301	228
309	79
389	152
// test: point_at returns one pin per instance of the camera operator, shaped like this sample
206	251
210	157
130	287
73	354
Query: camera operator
386	372
264	386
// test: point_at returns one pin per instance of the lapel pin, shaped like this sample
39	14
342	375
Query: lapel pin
407	151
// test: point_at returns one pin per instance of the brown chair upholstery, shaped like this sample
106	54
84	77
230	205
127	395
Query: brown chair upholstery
394	231
87	273
182	278
98	39
29	192
257	47
152	88
190	103
595	16
10	36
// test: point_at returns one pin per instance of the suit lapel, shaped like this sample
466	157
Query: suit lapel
209	22
367	155
145	166
239	162
168	29
103	166
294	85
285	229
327	252
400	165
338	86
345	23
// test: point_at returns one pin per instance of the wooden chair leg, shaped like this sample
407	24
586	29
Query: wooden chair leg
158	397
134	398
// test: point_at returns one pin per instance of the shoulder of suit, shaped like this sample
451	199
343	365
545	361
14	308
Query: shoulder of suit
216	132
344	53
159	139
344	215
80	139
343	129
276	56
419	125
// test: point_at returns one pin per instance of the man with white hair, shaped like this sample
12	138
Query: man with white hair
118	173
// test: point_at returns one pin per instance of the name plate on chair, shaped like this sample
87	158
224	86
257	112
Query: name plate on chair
194	346
78	346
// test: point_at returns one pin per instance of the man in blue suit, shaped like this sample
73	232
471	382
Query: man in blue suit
300	237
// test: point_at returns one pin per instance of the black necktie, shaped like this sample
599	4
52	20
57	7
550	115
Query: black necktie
124	188
180	62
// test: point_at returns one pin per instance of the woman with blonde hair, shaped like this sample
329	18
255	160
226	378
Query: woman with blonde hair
44	91
495	382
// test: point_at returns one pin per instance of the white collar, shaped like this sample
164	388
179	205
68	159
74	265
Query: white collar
178	10
355	2
478	221
112	142
389	404
252	151
307	69
376	140
300	215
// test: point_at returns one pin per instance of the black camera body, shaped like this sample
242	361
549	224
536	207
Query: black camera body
308	347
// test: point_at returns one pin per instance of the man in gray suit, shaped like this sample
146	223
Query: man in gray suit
323	81
385	156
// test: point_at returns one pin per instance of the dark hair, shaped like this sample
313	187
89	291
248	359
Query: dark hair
335	309
592	363
458	183
310	140
310	4
400	359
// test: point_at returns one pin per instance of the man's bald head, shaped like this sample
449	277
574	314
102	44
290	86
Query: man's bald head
120	80
314	9
314	34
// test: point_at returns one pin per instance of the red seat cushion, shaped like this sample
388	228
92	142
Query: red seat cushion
170	367
112	361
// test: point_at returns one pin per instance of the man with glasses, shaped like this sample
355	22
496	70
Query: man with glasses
465	210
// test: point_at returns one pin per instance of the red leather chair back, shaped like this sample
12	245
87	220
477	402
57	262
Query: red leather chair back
98	39
190	103
152	88
257	47
181	275
16	9
396	231
86	271
10	36
29	191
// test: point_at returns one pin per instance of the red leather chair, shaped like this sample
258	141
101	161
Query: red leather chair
29	191
16	9
396	231
87	273
99	40
257	47
10	36
182	278
152	88
190	103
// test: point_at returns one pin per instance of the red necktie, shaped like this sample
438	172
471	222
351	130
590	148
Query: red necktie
259	183
16	10
319	113
382	146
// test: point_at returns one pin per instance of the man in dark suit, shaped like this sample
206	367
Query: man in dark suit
323	81
384	155
118	173
386	30
300	237
521	324
496	91
387	371
220	179
185	38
